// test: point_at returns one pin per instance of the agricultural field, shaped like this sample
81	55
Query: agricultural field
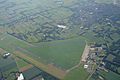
8	67
64	53
21	63
47	51
105	1
108	76
50	35
77	74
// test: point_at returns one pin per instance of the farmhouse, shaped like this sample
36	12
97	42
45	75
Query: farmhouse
85	66
61	26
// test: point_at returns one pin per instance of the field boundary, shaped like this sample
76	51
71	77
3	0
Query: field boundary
81	57
49	68
25	68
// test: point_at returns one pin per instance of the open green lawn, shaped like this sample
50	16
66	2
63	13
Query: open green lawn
9	43
63	53
77	74
21	63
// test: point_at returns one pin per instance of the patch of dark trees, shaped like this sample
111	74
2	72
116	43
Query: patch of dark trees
41	73
114	49
44	30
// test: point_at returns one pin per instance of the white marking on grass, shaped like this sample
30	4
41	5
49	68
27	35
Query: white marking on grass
61	26
3	38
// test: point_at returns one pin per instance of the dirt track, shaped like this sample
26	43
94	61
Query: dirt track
2	51
82	58
51	69
25	68
85	53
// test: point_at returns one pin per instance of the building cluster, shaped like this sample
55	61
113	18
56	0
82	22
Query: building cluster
91	58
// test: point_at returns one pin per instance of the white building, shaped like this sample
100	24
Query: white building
61	26
85	66
20	77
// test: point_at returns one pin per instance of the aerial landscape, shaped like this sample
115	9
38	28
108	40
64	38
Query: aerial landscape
59	39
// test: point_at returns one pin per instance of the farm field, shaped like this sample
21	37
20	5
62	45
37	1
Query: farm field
21	63
105	1
50	36
109	76
8	67
77	74
56	52
65	53
48	52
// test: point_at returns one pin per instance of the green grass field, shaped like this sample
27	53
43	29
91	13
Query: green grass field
64	53
77	74
21	63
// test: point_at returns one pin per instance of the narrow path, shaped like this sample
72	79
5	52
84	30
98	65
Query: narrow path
90	75
83	56
74	67
25	68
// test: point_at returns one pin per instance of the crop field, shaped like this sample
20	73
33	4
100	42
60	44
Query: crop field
36	22
105	1
5	63
35	71
109	76
63	54
21	64
7	67
60	53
